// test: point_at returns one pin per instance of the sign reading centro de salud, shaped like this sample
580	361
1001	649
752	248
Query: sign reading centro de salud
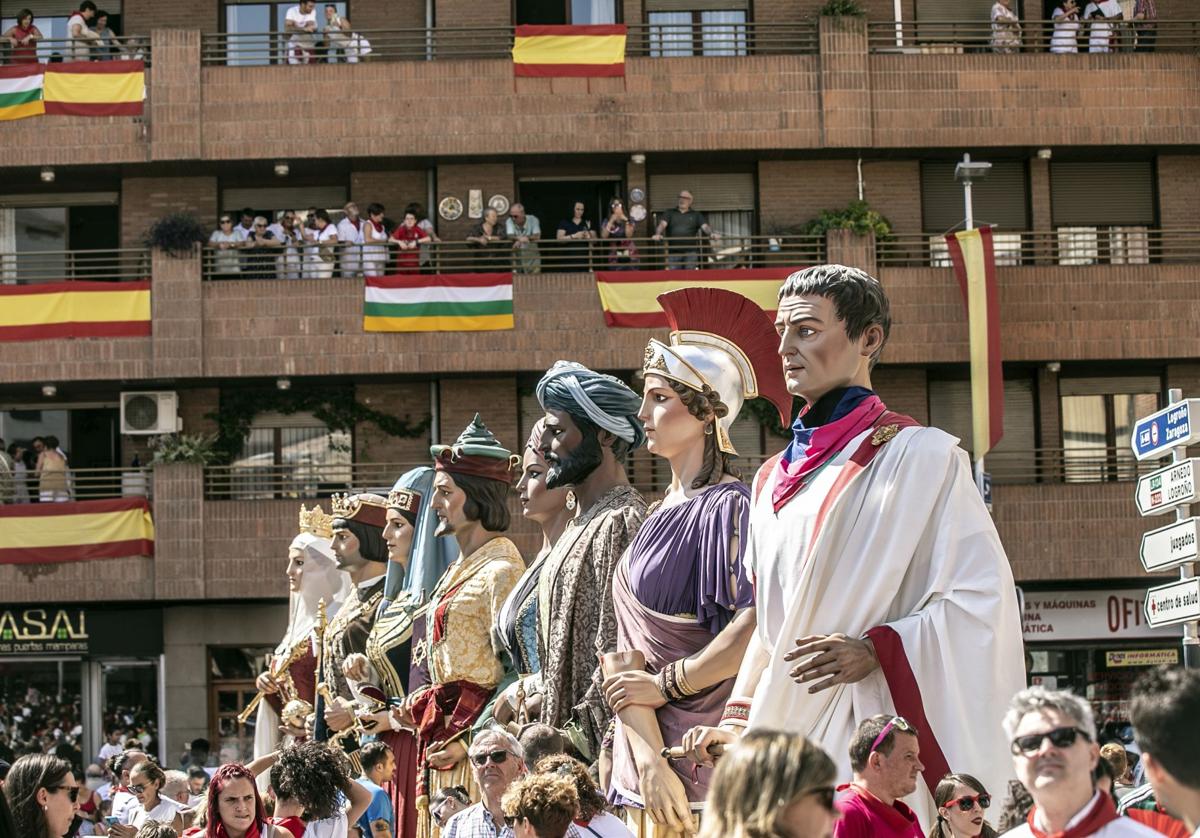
69	630
1052	616
1171	427
1176	602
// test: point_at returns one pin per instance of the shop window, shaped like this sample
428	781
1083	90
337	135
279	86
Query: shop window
1097	420
258	34
231	689
292	456
676	34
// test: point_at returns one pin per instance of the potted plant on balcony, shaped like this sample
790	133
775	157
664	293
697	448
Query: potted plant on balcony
184	448
176	234
857	217
841	8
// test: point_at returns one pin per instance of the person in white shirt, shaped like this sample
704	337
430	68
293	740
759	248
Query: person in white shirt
289	263
350	237
1100	31
323	255
355	46
335	39
124	801
1166	705
375	237
110	748
1055	753
146	781
1066	27
301	22
81	36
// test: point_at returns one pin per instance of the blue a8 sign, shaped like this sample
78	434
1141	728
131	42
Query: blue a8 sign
1171	427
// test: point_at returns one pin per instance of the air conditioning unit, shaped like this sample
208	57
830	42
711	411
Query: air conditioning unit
149	413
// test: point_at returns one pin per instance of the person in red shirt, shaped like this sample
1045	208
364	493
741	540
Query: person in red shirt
410	238
886	760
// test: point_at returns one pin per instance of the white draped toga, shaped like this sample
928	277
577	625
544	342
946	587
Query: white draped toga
902	550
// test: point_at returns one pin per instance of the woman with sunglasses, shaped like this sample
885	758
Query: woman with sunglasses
961	801
771	783
43	796
146	781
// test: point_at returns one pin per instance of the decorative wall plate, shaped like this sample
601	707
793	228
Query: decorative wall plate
637	213
637	195
499	203
450	208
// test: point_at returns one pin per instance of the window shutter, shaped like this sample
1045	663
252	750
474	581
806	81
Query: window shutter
746	434
696	5
1001	199
1132	385
285	420
950	410
713	192
1102	194
277	198
61	199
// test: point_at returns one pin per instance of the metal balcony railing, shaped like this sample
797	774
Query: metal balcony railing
1066	246
465	43
54	50
85	484
917	37
550	256
1067	465
39	266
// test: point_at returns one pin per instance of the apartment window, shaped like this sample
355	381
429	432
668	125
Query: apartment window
681	28
727	201
1000	200
1102	211
560	12
259	35
231	689
291	456
42	228
1098	415
1014	459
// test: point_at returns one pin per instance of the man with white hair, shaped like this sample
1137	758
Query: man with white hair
1054	749
497	760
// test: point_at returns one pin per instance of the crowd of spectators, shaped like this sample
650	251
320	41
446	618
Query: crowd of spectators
1097	28
39	473
90	37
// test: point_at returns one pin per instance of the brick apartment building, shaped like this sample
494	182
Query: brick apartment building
1095	191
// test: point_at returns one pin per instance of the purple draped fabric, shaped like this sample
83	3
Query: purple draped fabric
679	563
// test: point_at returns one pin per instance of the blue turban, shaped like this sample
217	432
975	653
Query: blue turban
429	556
604	400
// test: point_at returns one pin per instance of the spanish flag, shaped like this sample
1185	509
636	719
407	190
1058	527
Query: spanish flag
581	51
975	267
630	298
75	531
95	88
75	310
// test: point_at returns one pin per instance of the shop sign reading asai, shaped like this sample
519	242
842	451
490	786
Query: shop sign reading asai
71	630
1089	615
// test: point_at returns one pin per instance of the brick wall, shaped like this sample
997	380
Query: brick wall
140	17
130	579
1178	190
791	192
458	179
494	399
181	534
845	83
893	187
173	95
146	199
393	188
408	400
387	14
903	389
178	318
468	13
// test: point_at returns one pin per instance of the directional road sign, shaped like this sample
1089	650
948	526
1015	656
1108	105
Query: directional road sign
1158	433
1170	546
1163	490
1177	602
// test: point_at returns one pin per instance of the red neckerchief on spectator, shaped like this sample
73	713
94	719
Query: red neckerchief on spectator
357	222
377	225
1100	811
252	832
825	441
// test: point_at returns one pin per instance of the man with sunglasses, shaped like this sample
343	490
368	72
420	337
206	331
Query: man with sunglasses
1053	735
496	762
886	759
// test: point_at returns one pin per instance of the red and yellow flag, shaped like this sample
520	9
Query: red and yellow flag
581	51
630	298
95	88
975	267
76	531
75	310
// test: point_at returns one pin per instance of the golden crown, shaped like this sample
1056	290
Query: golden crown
315	522
347	505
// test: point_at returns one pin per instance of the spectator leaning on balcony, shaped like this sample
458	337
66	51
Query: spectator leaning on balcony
1066	27
246	224
683	226
301	23
107	46
335	41
350	236
289	262
1006	28
487	240
524	231
356	46
261	249
618	229
1100	31
8	481
81	36
22	39
374	236
225	244
425	224
409	237
323	256
1145	17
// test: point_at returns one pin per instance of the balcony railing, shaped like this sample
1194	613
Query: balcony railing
1065	246
916	37
115	265
463	43
86	484
54	50
552	256
1069	465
